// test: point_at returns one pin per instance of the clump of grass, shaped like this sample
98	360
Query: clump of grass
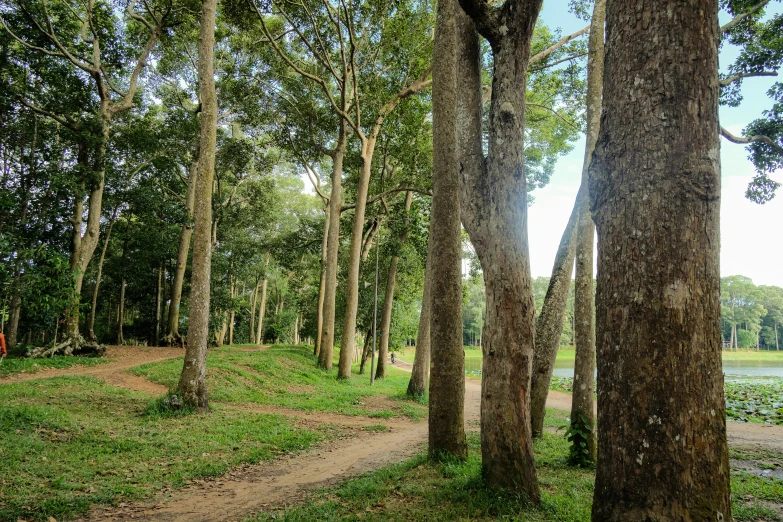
168	406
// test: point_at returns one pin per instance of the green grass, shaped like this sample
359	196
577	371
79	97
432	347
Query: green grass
420	490
11	366
285	376
69	442
753	355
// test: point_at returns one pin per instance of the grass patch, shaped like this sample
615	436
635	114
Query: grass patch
752	355
11	366
420	490
285	376
69	442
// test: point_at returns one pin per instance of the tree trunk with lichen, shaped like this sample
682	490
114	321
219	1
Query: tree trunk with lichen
655	199
494	206
447	382
420	372
192	382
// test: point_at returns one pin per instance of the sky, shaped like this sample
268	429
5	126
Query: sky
750	233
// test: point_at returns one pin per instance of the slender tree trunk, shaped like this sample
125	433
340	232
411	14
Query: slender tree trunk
172	330
333	244
231	315
388	299
253	306
91	322
322	284
15	310
777	345
192	383
494	208
655	198
549	326
121	313
582	403
366	351
354	260
421	360
262	307
447	383
158	297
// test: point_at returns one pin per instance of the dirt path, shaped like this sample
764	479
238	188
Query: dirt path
255	488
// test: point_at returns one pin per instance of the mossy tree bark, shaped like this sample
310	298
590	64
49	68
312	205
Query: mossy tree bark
655	199
421	361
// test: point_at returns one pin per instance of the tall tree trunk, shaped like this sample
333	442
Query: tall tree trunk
494	208
262	306
192	383
388	298
231	314
123	267
253	306
582	403
158	297
15	310
322	284
91	322
172	330
447	382
421	360
332	249
348	343
655	198
777	345
549	326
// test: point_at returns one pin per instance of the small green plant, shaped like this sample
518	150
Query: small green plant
170	405
578	434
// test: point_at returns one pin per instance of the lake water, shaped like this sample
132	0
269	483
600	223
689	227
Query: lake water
737	368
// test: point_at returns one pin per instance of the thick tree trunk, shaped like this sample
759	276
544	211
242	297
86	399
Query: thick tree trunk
332	249
98	276
322	284
172	330
582	403
447	383
421	361
549	326
388	298
495	215
655	198
192	383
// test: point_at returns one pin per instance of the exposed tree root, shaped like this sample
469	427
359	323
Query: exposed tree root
71	346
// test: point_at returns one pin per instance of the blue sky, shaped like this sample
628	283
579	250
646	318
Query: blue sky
750	234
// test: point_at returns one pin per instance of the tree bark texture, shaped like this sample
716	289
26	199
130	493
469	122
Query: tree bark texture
332	249
583	403
172	330
655	198
322	283
262	305
366	351
388	298
447	382
192	383
494	207
549	326
420	372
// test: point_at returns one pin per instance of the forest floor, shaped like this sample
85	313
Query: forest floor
377	434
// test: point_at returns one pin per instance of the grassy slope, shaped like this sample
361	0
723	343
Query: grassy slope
69	442
285	376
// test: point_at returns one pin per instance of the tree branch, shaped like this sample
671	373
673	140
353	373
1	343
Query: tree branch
387	193
745	140
731	79
486	17
740	17
560	43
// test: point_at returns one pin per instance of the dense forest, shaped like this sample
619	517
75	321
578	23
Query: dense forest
198	174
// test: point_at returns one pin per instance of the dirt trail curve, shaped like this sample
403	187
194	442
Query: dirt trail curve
256	488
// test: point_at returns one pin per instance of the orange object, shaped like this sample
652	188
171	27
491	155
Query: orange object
3	351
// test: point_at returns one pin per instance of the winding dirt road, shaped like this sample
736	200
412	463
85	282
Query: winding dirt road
251	489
